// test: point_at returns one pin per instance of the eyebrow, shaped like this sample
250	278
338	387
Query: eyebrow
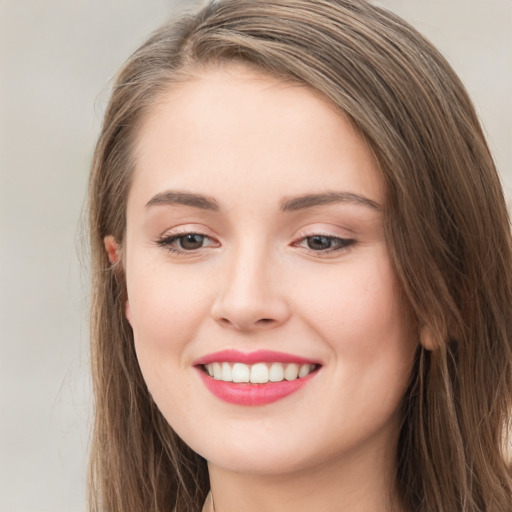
172	197
311	200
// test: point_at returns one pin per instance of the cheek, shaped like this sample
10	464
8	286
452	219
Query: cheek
362	319
166	307
361	302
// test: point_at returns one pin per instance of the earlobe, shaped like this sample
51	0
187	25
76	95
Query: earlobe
114	255
112	248
427	339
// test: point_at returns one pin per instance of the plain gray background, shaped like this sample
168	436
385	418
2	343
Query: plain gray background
56	59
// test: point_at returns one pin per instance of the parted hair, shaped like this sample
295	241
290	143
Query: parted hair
446	225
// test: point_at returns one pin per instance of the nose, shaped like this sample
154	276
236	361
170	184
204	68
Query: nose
250	297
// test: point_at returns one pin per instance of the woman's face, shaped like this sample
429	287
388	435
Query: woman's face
255	249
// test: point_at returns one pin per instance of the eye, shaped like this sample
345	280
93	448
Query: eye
324	243
319	242
191	241
186	242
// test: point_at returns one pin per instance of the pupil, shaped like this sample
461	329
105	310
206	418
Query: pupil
192	241
319	242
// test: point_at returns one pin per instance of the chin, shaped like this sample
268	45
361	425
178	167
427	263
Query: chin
260	462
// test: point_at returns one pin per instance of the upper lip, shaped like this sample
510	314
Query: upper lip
257	356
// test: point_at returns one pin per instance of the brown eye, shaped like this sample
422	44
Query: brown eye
187	243
319	242
324	245
191	242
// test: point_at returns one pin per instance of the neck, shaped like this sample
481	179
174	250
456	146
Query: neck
352	484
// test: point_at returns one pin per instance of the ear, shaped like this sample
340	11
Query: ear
427	339
114	255
112	248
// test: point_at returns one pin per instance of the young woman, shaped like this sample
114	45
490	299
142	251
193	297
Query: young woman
301	272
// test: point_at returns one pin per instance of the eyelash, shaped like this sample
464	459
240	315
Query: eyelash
337	243
170	242
173	243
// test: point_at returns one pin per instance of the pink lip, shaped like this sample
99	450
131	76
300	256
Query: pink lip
258	356
253	394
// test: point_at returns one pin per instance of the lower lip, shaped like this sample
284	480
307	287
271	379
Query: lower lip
253	394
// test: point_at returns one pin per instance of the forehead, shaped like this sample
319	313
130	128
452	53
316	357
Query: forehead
234	126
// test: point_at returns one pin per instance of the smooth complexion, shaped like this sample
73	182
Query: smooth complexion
255	223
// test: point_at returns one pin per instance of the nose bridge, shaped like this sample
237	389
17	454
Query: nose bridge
249	269
249	296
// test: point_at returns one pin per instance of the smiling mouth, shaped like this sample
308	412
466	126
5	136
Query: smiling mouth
255	378
259	373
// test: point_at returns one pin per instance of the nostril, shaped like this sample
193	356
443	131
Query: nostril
262	322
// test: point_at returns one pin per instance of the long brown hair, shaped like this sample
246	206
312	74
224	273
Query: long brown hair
447	229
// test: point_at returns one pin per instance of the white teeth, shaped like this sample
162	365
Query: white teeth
276	372
227	374
304	370
217	370
291	372
241	372
259	373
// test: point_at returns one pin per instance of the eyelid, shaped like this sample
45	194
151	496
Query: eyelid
345	243
171	236
170	240
184	229
328	230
